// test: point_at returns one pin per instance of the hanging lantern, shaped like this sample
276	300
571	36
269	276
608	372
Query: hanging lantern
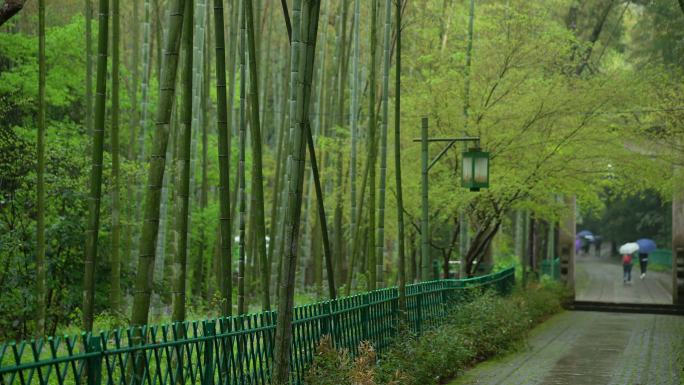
475	169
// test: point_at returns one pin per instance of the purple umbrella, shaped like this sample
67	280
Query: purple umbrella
585	233
646	245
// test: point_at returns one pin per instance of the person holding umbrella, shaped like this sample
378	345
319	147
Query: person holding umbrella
585	237
646	246
627	250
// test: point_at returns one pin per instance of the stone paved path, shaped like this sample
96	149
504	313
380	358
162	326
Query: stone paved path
591	348
601	280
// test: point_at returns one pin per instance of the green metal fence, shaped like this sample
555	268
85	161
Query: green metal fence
232	350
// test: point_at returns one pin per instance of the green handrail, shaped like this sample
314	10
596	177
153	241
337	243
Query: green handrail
233	350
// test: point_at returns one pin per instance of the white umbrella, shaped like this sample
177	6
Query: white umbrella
629	248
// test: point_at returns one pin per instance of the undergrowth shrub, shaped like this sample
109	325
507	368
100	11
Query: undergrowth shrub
485	326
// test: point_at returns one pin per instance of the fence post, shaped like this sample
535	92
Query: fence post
445	298
208	352
365	316
419	311
94	363
396	317
326	323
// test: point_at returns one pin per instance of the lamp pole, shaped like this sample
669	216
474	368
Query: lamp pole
424	228
424	140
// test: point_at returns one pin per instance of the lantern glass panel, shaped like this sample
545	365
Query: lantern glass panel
481	170
467	168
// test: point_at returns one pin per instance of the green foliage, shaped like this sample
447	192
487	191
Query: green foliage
475	331
64	234
628	218
550	132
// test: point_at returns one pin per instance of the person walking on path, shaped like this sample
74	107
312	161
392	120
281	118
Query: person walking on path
597	245
643	264
627	268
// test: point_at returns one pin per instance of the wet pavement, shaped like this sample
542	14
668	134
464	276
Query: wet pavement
591	348
600	279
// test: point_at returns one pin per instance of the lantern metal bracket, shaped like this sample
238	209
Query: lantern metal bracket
450	143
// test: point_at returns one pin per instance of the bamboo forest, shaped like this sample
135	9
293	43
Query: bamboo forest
341	192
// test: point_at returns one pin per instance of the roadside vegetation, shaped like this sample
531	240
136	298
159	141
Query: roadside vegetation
475	331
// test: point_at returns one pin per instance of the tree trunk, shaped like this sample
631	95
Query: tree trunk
115	258
463	218
518	243
380	242
397	165
258	182
241	166
183	166
339	206
96	169
141	301
200	85
146	71
41	287
478	247
372	145
225	260
89	67
354	108
129	210
424	223
11	8
593	38
305	21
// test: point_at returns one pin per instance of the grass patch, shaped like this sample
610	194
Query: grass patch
475	331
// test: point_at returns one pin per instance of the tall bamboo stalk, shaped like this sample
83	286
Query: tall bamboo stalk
352	116
282	209
258	183
304	22
141	300
115	258
372	128
236	15
320	129
274	250
306	259
463	219
379	253
265	64
397	165
424	223
145	80
339	180
89	66
234	108
241	165
41	300
322	221
129	208
183	166
92	231
197	48
199	113
144	109
225	260
314	163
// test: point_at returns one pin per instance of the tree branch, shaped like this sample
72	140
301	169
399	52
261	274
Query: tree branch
9	9
288	23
